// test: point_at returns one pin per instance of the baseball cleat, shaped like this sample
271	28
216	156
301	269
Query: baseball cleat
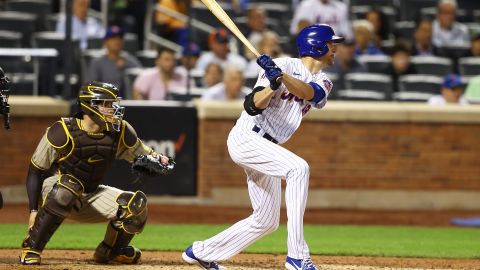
305	264
128	255
191	259
30	257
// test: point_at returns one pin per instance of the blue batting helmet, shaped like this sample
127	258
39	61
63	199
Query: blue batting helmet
312	40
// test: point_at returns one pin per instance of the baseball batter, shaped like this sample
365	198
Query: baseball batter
285	91
79	150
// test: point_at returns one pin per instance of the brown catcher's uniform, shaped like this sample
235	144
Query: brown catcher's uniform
79	161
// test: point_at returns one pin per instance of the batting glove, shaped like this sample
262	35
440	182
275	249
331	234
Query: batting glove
274	74
272	71
265	61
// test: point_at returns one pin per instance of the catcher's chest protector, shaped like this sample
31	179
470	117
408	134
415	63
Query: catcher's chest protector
91	156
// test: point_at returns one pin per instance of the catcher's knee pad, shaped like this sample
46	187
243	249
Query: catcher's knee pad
132	211
64	194
57	206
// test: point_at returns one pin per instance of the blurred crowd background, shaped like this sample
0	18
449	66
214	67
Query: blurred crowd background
395	50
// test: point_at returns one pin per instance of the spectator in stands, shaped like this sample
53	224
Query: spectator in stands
345	62
213	75
447	31
380	26
256	26
218	44
363	33
423	39
475	46
331	12
401	65
156	82
111	67
190	56
170	27
451	92
269	44
83	26
230	89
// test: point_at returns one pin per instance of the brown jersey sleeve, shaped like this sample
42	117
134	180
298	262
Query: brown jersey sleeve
50	147
130	146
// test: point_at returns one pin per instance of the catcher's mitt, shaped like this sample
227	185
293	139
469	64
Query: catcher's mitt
148	165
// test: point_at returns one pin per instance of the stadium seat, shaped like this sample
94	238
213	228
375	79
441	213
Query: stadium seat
51	21
22	83
432	65
146	58
56	40
405	29
378	83
359	94
10	39
411	9
203	14
474	28
41	8
431	14
250	80
19	21
182	95
132	74
197	76
376	63
469	66
418	87
358	12
454	52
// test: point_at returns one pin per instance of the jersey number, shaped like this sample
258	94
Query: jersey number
305	109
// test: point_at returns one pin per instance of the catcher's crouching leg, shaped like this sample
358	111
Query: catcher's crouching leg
132	216
58	204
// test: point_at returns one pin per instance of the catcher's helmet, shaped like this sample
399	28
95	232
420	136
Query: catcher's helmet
101	102
312	40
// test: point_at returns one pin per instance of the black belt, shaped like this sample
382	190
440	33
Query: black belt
266	135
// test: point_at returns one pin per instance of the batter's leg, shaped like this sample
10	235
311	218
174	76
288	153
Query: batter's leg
265	194
296	199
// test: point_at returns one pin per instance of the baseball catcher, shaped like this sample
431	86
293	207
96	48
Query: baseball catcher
67	167
4	94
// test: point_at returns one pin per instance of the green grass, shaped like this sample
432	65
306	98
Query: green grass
325	240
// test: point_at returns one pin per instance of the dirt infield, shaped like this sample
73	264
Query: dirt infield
81	260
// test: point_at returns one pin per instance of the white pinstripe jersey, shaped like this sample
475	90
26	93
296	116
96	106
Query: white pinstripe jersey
285	111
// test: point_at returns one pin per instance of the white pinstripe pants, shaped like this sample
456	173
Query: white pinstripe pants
265	164
97	206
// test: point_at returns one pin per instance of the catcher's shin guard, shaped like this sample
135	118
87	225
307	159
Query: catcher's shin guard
115	247
57	206
132	216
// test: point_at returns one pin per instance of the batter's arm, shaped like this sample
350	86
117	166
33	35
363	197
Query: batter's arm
262	98
309	91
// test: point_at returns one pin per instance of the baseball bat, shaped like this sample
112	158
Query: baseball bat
218	11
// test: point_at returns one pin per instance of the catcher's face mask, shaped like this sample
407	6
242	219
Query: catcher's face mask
111	112
100	102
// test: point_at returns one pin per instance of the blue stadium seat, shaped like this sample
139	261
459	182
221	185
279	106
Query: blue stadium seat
432	65
469	66
367	85
418	87
376	63
19	21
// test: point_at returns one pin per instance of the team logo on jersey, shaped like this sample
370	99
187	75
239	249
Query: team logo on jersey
296	74
289	96
328	85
